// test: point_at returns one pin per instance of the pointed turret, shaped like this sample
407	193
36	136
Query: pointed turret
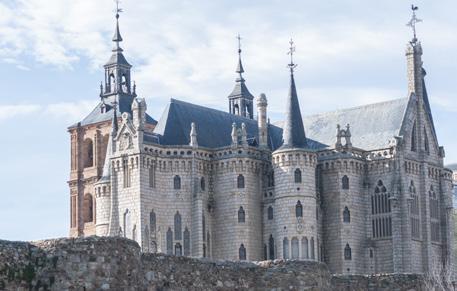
293	130
241	100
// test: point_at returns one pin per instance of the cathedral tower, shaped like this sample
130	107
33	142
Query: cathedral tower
295	203
241	100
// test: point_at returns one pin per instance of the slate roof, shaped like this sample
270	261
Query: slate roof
213	126
372	126
96	116
293	130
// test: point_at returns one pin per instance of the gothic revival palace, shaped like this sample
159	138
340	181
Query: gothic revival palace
362	189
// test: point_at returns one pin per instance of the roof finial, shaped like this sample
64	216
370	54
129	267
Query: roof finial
412	23
117	34
239	69
291	52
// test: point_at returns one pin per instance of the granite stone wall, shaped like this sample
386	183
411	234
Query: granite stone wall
104	263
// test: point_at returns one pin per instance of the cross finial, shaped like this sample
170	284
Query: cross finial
291	52
239	43
118	9
414	20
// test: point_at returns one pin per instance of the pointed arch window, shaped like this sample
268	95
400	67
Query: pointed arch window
146	240
285	248
345	182
434	215
346	215
152	222
202	184
265	252
304	248
414	211
295	248
347	252
88	208
298	209
178	249
426	145
127	224
241	215
169	241
271	247
89	153
240	181
186	242
242	252
381	220
414	138
177	182
297	175
270	213
312	248
178	231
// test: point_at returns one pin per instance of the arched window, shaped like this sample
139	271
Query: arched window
177	182
236	109
265	252
88	207
295	248
241	215
346	215
134	232
202	183
426	146
414	211
169	241
297	175
298	209
152	222
178	231
285	248
112	83
124	84
178	249
270	213
345	182
347	252
186	242
242	252
434	215
304	248
127	224
312	248
146	240
89	153
381	220
240	181
413	138
271	247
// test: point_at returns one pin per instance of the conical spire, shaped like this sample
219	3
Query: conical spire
117	38
293	130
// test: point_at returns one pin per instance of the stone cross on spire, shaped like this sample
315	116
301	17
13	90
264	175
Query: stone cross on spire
291	52
412	23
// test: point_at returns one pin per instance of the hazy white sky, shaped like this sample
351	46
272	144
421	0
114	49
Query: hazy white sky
350	52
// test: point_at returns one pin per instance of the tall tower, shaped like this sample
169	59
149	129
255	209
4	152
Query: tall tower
295	206
241	100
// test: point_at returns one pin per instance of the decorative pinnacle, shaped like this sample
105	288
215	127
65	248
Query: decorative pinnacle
412	23
291	52
117	34
239	69
118	10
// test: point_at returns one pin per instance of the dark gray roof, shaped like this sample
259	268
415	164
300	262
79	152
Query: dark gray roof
214	127
96	116
117	58
372	126
294	132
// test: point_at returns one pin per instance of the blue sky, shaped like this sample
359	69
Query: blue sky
349	53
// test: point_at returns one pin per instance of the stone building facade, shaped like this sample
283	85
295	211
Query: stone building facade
362	189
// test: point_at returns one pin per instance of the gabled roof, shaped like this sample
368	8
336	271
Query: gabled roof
372	126
97	116
214	127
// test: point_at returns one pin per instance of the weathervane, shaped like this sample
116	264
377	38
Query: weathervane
291	52
118	10
414	20
239	43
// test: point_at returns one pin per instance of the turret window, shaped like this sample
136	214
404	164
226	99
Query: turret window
345	183
169	241
304	248
177	182
241	215
242	252
270	213
186	242
178	231
240	181
295	248
346	215
202	184
152	222
297	175
312	248
285	248
347	252
271	247
178	249
298	209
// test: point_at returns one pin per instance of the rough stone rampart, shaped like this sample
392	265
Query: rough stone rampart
103	263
